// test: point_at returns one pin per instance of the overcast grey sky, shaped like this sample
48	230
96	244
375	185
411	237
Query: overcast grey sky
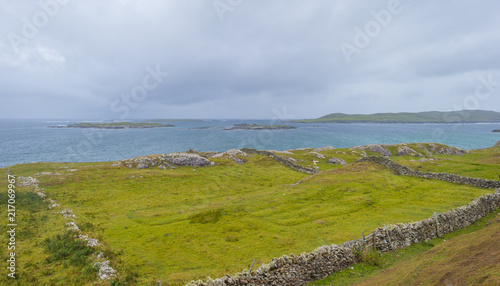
246	58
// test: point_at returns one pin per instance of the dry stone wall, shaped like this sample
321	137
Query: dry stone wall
326	260
452	178
281	160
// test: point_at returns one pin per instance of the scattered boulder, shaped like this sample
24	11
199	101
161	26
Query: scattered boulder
326	148
336	161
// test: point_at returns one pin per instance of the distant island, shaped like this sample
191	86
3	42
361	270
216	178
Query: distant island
161	120
115	125
496	130
245	126
464	116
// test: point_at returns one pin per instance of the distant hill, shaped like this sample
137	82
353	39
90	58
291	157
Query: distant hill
464	116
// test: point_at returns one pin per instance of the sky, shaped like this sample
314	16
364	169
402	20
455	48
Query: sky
246	59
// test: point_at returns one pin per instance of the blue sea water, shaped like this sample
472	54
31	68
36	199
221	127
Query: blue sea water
27	141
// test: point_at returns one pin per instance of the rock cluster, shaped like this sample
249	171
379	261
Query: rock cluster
337	161
429	150
440	149
407	151
376	148
186	159
233	154
105	271
164	161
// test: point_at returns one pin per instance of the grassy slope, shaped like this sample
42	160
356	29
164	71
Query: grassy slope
406	117
147	214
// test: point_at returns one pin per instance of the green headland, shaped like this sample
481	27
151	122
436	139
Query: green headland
464	116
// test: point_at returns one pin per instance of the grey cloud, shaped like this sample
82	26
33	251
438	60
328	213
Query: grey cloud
263	55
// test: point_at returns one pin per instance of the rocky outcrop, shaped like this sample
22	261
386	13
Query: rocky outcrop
233	154
164	161
407	151
379	149
326	148
375	148
186	159
440	149
336	161
428	149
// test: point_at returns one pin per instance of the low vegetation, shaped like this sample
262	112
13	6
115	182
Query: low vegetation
176	225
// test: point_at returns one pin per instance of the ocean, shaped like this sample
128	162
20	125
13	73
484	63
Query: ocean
28	141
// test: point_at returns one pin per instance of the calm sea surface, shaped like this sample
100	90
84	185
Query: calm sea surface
26	141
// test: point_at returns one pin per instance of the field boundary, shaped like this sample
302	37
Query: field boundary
452	178
281	160
328	259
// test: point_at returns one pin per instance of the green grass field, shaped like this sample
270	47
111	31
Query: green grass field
188	223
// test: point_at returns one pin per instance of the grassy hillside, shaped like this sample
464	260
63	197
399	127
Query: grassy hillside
463	116
176	225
